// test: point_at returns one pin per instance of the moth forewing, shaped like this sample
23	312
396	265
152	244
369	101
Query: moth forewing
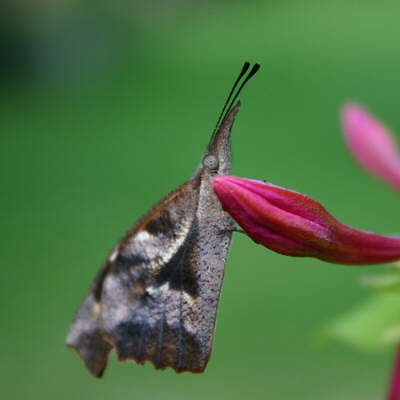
143	294
86	333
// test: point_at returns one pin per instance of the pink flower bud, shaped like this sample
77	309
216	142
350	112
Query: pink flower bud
371	143
292	224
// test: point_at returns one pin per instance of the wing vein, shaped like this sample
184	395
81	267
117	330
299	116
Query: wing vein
161	334
142	337
180	324
180	338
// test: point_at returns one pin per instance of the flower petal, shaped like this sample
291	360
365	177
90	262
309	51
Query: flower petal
293	224
371	143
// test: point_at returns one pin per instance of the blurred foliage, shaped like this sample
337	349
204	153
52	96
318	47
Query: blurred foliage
375	323
107	106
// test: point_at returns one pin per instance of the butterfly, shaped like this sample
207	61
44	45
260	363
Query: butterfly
156	296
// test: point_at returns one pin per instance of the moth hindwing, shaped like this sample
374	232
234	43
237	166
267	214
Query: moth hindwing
156	296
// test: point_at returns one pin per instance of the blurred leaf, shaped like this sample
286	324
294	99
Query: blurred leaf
373	325
384	282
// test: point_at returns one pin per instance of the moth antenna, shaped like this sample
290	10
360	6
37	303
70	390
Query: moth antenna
245	67
252	72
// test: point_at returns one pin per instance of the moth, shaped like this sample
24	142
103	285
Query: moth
156	296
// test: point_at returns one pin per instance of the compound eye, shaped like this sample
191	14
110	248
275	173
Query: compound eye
211	162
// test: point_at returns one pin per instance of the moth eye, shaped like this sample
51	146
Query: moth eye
211	162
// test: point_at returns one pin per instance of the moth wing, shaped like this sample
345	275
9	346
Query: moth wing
139	301
86	333
150	301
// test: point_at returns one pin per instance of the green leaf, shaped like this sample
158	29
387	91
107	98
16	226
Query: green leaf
372	325
383	282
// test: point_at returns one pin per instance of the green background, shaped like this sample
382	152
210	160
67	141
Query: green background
105	108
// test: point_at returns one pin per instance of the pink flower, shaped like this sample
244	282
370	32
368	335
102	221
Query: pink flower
371	143
293	224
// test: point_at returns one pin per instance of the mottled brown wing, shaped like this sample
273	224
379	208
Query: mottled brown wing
123	306
160	297
86	333
150	305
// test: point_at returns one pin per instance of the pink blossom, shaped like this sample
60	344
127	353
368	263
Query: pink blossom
371	143
293	224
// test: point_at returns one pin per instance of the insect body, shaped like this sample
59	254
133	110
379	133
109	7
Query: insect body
156	296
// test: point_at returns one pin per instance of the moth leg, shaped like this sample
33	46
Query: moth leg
234	229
